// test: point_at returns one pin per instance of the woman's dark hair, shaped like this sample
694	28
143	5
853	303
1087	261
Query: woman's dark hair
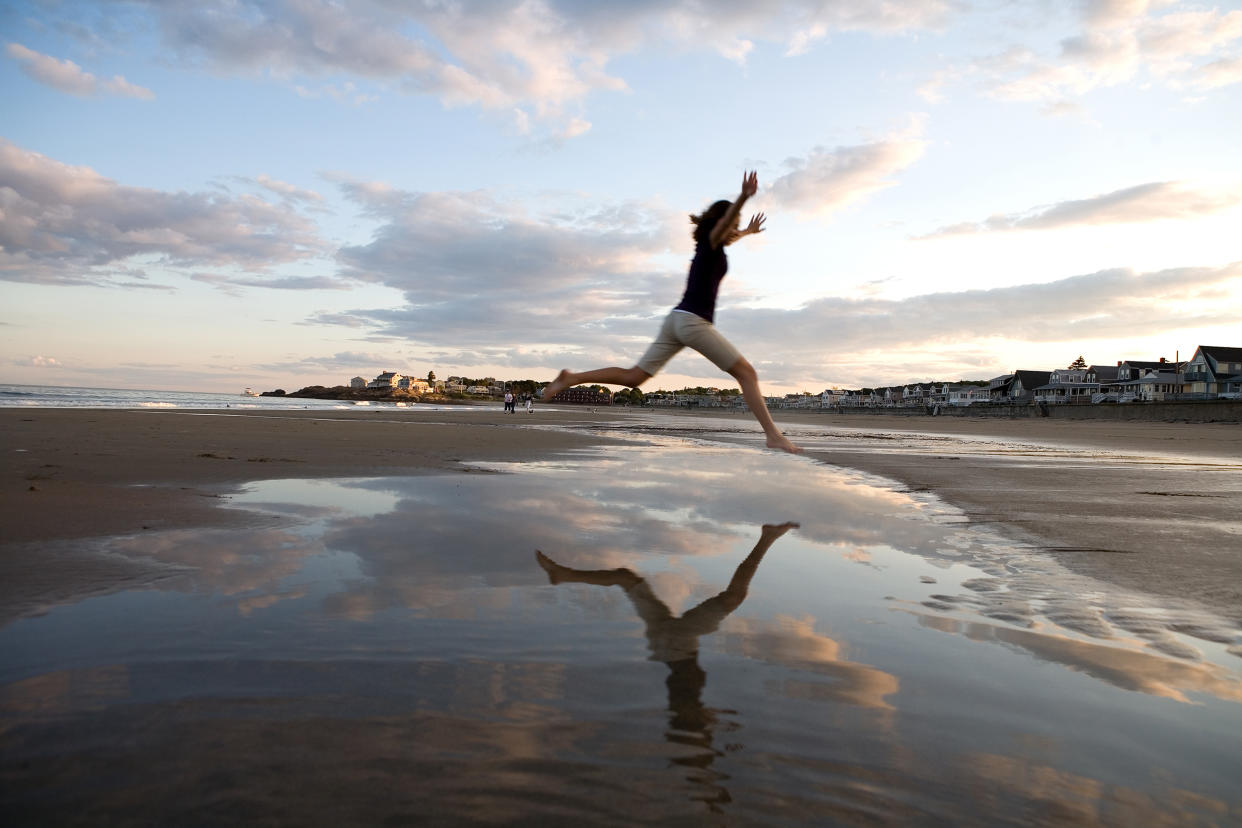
706	220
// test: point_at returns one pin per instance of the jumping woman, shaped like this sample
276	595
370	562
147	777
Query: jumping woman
690	323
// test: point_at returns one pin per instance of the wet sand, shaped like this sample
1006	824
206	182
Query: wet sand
1149	506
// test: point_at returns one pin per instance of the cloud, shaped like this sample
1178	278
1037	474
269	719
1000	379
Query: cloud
469	261
63	224
288	191
37	362
1115	42
1104	305
1154	201
230	284
1217	73
367	363
70	78
542	57
827	180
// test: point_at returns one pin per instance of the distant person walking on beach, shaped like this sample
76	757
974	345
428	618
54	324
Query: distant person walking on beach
509	402
690	323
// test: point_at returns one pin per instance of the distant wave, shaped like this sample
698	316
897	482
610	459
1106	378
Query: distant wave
18	394
157	405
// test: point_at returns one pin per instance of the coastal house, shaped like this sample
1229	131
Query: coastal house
358	383
1213	371
962	395
583	395
999	387
1022	389
938	394
414	385
387	380
893	397
830	397
1068	386
1152	385
917	395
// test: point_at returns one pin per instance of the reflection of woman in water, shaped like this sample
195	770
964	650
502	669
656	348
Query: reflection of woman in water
675	641
690	323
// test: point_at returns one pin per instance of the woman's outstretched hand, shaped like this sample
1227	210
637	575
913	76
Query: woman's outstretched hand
756	224
750	184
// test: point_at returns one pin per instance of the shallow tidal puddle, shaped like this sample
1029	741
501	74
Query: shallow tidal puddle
394	648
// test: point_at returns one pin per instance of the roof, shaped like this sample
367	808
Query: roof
1222	354
1105	372
1147	366
1031	379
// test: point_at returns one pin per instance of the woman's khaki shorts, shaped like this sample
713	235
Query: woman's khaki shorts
688	330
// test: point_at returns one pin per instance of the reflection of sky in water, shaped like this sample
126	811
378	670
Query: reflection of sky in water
882	661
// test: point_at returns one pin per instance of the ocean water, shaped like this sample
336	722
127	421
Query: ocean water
53	396
630	635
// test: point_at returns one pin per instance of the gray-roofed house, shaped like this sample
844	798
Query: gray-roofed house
1022	390
1214	370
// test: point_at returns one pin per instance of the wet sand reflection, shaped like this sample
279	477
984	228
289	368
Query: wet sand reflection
1142	672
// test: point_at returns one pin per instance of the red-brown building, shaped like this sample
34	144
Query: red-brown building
583	396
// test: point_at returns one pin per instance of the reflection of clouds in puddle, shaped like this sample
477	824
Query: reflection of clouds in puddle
446	535
225	562
1136	670
315	498
793	643
65	691
1072	799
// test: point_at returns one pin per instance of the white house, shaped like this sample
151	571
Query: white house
388	379
418	386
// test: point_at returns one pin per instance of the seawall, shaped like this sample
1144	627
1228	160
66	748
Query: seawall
1190	411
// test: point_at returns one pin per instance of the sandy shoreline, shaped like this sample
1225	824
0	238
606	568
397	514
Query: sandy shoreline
1149	506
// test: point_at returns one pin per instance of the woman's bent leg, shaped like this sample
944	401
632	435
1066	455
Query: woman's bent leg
746	377
629	377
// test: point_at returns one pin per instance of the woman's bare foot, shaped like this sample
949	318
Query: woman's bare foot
781	442
557	385
549	566
772	531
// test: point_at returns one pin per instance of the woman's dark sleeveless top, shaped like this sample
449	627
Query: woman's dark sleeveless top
707	268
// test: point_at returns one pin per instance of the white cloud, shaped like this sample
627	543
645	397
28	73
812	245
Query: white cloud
1217	73
536	55
70	225
467	261
1115	43
232	284
70	78
1155	201
1096	306
827	180
38	362
286	190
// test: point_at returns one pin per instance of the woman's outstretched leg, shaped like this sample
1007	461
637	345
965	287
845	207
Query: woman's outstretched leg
746	377
629	377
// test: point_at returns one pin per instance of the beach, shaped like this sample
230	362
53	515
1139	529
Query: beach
1151	506
578	615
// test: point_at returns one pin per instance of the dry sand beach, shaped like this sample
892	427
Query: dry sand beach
1150	506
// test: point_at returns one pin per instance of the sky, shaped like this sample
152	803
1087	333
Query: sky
215	194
